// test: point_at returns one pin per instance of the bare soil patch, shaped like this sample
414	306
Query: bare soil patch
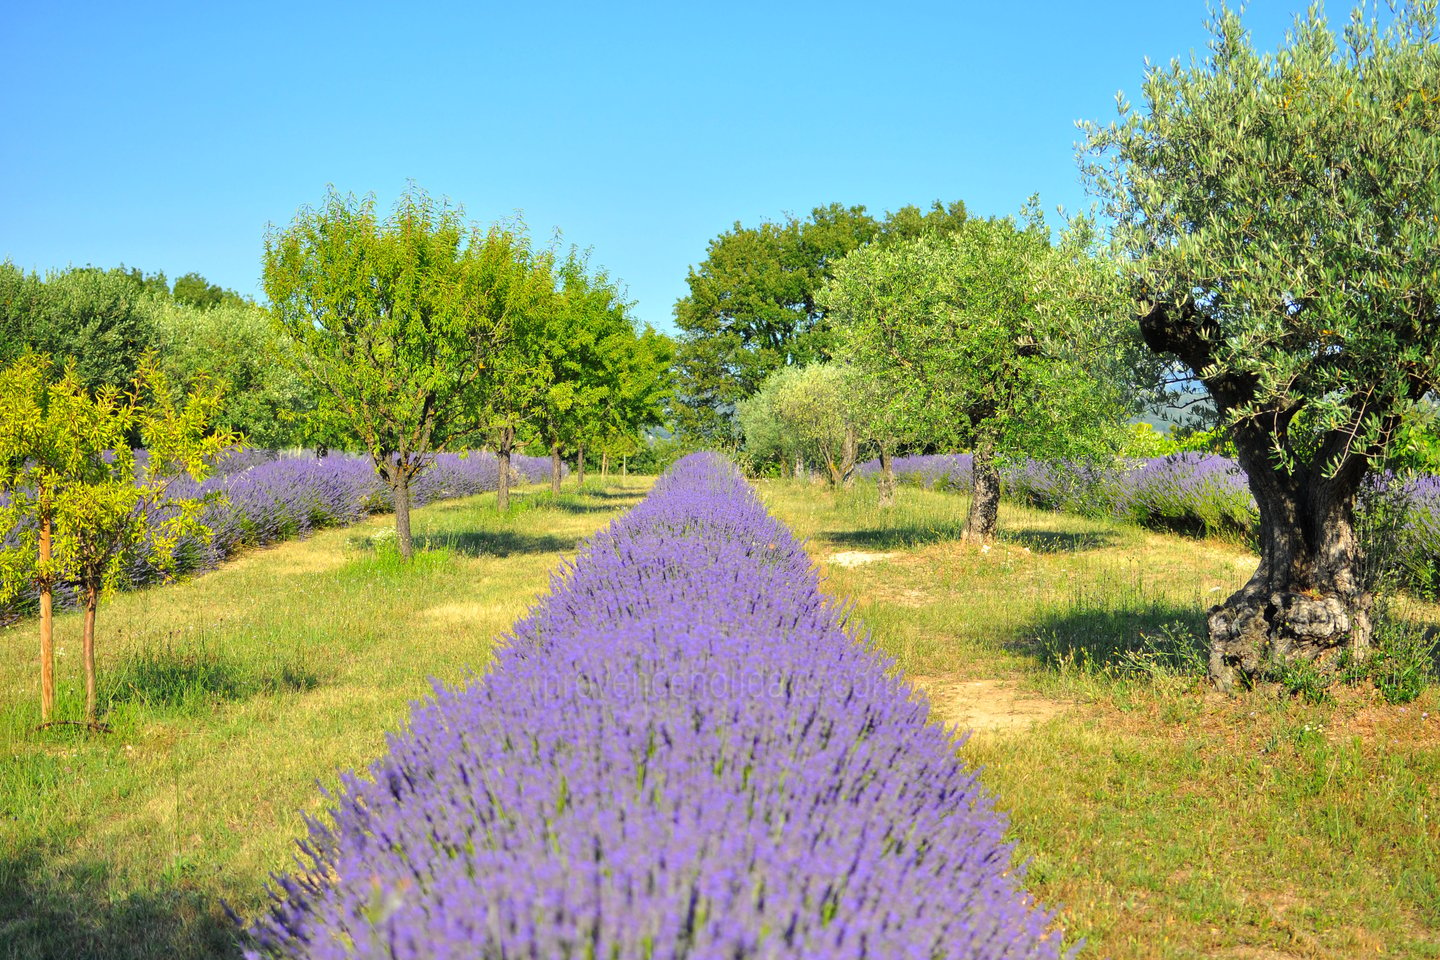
984	705
854	558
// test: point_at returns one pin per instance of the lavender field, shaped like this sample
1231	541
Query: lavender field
261	497
1194	493
681	751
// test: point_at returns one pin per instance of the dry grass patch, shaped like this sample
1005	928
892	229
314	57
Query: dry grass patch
230	695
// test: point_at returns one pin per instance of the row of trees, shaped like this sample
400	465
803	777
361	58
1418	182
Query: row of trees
421	332
1273	228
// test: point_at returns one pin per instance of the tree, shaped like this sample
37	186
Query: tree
98	319
195	291
804	412
79	502
974	336
588	324
1278	212
397	322
237	345
752	304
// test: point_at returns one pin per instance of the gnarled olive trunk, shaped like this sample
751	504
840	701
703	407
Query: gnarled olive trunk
555	468
886	483
984	498
1307	601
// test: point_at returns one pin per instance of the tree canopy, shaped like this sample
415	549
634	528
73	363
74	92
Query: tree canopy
752	304
975	335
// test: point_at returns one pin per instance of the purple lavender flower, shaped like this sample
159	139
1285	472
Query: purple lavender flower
261	497
680	752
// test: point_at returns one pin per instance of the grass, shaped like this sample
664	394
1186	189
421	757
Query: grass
1161	819
229	697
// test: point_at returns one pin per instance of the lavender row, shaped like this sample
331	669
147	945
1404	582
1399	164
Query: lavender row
265	498
1190	492
680	752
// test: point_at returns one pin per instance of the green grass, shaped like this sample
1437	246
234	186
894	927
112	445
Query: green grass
228	698
1163	820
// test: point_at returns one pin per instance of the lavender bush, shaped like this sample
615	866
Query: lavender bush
680	752
262	497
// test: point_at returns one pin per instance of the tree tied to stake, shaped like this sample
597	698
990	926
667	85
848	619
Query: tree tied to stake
77	503
1279	216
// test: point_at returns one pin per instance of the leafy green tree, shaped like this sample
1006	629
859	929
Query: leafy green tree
195	291
237	345
1279	212
78	502
973	336
396	323
752	304
588	325
804	412
99	319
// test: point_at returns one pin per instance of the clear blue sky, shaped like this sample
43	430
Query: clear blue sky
168	136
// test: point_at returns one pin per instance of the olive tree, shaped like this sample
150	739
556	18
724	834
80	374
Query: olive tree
396	323
976	338
804	412
1280	219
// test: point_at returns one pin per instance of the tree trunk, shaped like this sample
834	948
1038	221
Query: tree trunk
799	468
625	465
402	516
47	623
555	468
1307	601
850	452
886	483
502	456
92	600
605	465
984	498
580	464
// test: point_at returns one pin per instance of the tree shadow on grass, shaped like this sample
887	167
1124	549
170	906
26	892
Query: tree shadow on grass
1040	540
172	676
918	535
899	537
497	543
1121	635
73	913
583	502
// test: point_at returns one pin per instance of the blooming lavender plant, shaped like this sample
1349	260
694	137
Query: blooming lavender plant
260	497
681	752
